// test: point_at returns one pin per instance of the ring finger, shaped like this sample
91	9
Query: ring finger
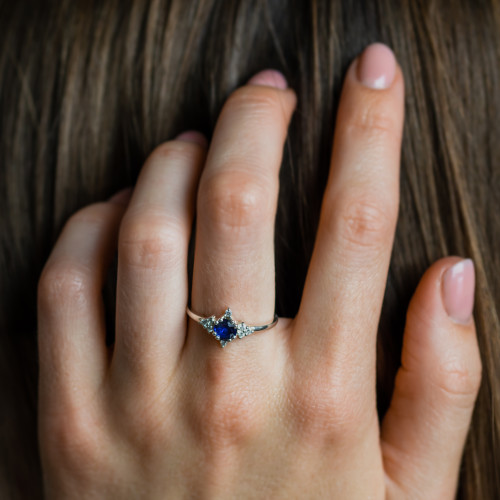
237	198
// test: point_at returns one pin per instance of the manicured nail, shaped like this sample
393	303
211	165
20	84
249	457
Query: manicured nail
377	66
122	197
193	136
270	78
458	291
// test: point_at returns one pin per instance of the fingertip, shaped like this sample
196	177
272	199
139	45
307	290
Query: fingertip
193	136
458	284
376	75
269	78
376	67
122	197
274	79
435	339
446	291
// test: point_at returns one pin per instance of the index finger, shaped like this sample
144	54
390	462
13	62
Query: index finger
340	308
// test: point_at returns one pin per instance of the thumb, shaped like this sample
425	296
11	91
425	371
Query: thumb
424	431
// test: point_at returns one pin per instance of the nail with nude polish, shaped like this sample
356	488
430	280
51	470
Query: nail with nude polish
122	197
269	78
377	66
193	136
458	291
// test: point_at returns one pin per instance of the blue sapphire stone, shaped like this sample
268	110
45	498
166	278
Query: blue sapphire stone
224	330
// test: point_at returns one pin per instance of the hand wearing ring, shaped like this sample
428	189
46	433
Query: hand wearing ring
289	413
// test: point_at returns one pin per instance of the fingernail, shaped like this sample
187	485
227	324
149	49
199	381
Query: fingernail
377	66
193	136
122	197
270	78
458	291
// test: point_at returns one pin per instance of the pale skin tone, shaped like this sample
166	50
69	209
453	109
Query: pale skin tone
288	413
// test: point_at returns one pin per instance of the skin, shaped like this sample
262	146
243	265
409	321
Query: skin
289	413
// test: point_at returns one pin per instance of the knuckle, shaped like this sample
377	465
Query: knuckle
235	200
151	240
174	151
62	281
73	441
259	101
326	409
364	221
229	417
459	382
94	214
227	412
149	430
372	119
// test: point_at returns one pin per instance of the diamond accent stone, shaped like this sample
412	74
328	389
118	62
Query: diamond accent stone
208	323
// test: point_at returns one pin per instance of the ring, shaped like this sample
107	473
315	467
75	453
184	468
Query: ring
225	329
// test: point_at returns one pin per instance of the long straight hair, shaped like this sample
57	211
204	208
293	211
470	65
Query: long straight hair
89	88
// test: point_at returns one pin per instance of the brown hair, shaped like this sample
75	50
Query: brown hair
89	88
